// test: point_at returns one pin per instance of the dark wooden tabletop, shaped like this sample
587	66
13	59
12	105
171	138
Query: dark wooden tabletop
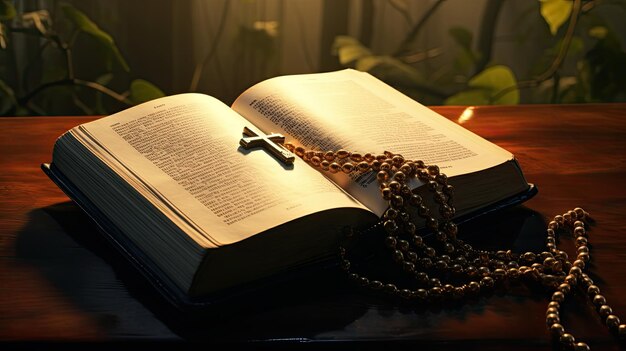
60	282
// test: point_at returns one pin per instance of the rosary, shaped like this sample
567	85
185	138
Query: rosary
448	268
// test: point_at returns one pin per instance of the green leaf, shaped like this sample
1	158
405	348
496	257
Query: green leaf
462	36
349	50
495	85
86	25
142	91
469	97
555	12
7	10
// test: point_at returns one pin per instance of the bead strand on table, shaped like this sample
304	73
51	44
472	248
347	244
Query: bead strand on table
473	270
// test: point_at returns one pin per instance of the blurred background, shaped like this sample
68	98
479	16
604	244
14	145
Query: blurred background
98	57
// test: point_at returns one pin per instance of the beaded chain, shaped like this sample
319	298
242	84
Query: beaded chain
448	268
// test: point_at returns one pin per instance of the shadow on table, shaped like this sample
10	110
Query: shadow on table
65	246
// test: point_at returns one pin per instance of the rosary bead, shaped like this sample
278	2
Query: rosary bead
558	296
368	157
408	267
376	285
575	271
404	217
342	154
433	170
581	241
435	293
391	213
579	231
329	156
376	165
356	157
441	236
406	169
499	273
552	310
399	176
345	265
567	216
289	146
570	279
411	256
554	304
580	213
549	262
430	252
384	166
487	282
422	174
309	154
580	264
381	157
391	288
315	161
435	282
583	249
473	287
397	201
529	257
397	160
586	280
394	186
440	197
334	167
552	318
403	245
559	219
299	151
418	241
621	331
593	290
545	255
382	176
581	346
557	330
441	179
398	256
324	165
405	294
421	294
451	229
613	322
353	276
390	226
448	248
471	271
564	288
553	225
363	281
432	185
363	166
599	300
386	193
441	265
448	190
605	311
537	266
550	233
567	340
347	167
513	273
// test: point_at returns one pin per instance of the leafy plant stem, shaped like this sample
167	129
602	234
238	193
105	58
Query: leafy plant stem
195	79
558	60
416	29
487	30
73	81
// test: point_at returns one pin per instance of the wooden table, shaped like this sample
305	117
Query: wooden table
59	282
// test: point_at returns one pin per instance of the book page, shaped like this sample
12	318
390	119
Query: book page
354	111
184	151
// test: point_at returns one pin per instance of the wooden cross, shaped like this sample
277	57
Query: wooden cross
271	142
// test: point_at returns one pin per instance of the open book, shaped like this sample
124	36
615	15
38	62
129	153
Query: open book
207	215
